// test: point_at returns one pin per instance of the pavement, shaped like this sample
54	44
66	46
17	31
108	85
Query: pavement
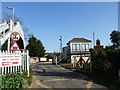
52	77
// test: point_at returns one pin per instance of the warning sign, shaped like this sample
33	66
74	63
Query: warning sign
14	47
10	60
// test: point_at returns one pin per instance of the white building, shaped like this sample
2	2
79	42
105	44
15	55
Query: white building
76	48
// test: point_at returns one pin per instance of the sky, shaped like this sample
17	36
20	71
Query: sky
47	21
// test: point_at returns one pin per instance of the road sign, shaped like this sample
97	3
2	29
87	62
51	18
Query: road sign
9	63
15	36
10	60
14	47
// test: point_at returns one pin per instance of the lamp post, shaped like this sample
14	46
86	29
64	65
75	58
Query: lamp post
11	26
12	8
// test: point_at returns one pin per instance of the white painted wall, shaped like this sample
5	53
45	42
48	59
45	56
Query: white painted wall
50	60
78	58
43	59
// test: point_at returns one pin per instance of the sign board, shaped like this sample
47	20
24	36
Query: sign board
15	47
10	60
15	36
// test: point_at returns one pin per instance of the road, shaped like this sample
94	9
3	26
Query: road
52	76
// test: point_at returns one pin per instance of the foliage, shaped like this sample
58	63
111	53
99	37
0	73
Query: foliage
35	47
85	68
13	80
49	55
99	61
56	54
4	46
115	38
17	80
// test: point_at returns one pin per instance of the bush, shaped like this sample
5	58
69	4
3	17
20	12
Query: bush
16	80
13	80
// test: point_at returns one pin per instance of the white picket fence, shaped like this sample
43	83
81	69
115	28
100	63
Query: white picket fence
14	61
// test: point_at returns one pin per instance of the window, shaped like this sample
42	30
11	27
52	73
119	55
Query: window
85	47
75	47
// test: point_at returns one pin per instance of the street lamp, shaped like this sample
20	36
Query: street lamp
12	8
11	28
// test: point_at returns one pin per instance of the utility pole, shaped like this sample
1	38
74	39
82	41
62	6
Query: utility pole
93	39
60	50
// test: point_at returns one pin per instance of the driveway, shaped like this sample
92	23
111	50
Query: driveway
50	76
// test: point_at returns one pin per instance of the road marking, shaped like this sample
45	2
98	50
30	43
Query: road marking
89	85
52	80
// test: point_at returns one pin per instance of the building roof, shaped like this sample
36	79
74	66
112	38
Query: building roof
78	40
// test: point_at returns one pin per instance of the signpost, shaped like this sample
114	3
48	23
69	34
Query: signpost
10	60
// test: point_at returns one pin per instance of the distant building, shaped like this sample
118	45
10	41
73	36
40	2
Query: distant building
98	45
76	48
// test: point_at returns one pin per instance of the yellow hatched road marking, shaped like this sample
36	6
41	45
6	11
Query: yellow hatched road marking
56	80
89	85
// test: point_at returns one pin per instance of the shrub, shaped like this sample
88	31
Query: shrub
16	80
13	80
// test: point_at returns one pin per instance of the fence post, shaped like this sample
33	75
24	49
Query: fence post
23	61
28	61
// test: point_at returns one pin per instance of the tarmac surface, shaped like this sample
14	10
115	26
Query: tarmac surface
54	77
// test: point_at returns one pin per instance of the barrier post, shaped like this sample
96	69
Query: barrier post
28	60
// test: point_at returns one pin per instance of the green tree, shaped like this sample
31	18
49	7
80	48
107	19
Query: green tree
115	39
35	47
99	60
4	46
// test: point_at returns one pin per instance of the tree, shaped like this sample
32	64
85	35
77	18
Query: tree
115	39
35	47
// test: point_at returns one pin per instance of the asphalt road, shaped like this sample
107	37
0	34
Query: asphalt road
51	77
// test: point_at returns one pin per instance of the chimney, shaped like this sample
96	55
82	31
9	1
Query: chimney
97	42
